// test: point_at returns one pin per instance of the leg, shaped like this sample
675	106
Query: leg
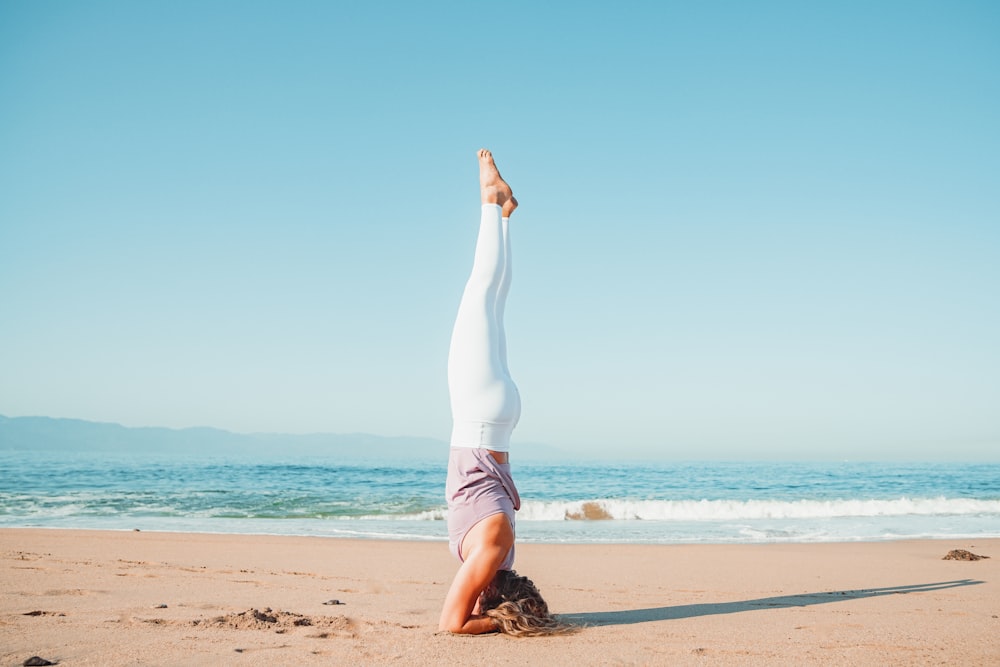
495	190
478	378
502	293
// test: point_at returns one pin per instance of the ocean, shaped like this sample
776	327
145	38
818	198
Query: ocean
582	502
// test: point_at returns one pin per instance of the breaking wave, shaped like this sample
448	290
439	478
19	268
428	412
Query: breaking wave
736	510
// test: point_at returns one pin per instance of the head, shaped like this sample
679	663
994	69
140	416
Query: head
517	607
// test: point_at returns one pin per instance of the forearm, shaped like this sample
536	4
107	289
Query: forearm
478	625
465	622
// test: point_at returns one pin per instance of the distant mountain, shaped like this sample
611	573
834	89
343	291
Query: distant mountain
56	435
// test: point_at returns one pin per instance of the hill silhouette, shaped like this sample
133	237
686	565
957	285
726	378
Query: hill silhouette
77	435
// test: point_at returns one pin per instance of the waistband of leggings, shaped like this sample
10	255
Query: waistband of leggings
482	435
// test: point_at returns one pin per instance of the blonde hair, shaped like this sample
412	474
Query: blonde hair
517	608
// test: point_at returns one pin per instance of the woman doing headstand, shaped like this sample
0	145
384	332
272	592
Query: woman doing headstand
486	594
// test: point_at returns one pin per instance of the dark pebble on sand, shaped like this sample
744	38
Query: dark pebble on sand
333	602
35	661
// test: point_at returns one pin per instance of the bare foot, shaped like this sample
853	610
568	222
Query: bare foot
492	187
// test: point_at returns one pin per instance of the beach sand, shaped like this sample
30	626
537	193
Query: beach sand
148	598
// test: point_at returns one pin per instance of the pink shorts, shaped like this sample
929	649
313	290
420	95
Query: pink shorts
477	487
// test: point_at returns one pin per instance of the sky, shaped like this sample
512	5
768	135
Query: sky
764	230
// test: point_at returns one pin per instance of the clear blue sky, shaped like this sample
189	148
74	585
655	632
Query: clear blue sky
747	230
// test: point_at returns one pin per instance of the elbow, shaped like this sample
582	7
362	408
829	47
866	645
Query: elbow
452	618
454	628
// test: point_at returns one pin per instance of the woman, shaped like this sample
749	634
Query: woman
486	595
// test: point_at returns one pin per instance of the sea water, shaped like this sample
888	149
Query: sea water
585	502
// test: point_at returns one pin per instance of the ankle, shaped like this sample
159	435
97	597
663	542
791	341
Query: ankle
492	194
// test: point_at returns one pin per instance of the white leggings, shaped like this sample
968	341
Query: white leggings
485	403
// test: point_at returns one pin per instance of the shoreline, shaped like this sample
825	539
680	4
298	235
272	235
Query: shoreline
443	539
165	598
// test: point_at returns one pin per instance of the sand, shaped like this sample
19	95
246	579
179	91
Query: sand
148	598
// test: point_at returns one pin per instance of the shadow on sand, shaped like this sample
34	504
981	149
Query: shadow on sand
630	616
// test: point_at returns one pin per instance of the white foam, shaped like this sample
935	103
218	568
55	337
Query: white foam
736	510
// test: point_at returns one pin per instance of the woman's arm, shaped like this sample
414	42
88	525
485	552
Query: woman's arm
484	548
